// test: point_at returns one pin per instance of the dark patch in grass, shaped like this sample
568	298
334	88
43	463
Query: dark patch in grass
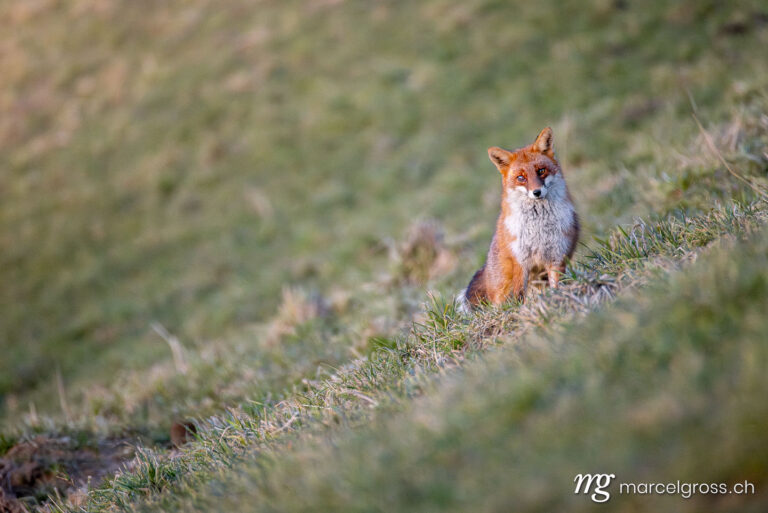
36	470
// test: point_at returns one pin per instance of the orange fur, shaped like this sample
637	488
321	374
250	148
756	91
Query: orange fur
524	174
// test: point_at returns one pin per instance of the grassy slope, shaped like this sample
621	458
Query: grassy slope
180	209
194	159
665	385
300	454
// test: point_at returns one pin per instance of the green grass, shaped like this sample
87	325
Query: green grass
665	385
181	163
351	439
236	214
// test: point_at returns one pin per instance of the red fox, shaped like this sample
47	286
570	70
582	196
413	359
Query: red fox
537	229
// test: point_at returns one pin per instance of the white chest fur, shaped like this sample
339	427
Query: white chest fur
540	227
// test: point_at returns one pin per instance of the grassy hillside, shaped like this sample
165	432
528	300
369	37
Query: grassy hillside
180	163
235	213
641	389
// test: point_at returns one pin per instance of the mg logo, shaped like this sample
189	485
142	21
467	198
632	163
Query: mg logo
597	483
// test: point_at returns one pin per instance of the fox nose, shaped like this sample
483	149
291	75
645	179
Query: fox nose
537	193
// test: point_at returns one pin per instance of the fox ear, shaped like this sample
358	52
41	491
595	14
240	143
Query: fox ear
500	157
543	142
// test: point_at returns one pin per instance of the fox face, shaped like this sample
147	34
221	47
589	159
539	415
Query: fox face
531	172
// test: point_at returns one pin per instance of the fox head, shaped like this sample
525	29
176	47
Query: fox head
532	172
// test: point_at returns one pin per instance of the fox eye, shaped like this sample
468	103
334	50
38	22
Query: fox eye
541	171
521	178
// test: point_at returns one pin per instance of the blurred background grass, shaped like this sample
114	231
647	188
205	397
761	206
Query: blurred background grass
183	162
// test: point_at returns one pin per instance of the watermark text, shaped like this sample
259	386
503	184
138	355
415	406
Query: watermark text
597	488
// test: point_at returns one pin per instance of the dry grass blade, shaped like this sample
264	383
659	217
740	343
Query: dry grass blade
708	139
177	351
